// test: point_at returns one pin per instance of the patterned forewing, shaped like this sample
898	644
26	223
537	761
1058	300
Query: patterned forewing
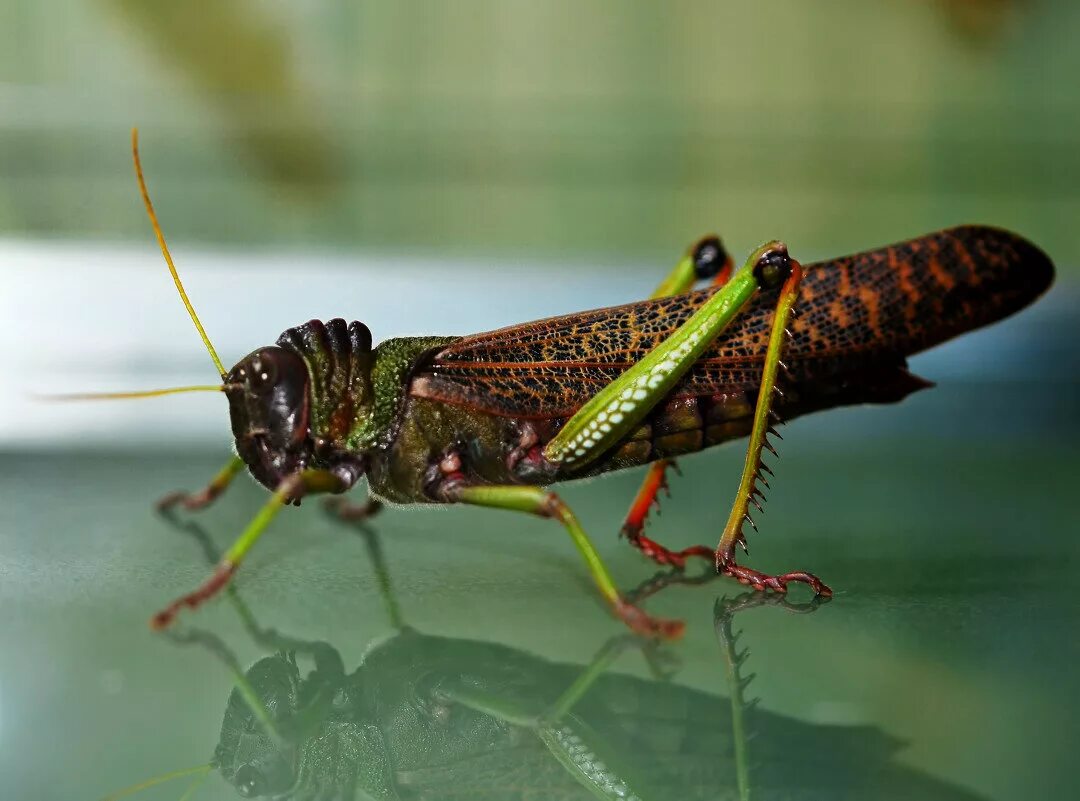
866	311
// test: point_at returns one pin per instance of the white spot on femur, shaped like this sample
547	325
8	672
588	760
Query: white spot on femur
605	428
627	407
639	394
579	452
602	416
616	418
655	381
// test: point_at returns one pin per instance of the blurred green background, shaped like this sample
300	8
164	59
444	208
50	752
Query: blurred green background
543	128
447	167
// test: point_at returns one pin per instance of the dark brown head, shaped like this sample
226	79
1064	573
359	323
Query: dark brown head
269	408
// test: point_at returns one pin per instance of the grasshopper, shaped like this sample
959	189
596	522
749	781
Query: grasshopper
494	419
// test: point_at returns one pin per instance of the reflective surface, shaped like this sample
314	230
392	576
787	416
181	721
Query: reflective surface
480	163
945	663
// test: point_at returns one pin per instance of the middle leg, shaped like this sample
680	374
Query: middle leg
540	502
634	526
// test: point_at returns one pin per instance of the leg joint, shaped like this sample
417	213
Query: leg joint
551	505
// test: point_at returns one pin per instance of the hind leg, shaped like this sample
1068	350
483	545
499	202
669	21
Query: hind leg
706	259
749	492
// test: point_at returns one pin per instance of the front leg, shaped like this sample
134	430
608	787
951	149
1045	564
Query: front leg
194	501
306	482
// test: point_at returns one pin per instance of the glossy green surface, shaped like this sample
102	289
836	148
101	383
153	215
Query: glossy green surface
949	537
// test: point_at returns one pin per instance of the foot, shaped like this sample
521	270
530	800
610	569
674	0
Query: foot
643	624
763	582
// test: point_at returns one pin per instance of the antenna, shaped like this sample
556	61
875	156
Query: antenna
165	252
143	393
199	771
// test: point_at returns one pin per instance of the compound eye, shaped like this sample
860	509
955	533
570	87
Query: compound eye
773	268
709	257
249	782
262	373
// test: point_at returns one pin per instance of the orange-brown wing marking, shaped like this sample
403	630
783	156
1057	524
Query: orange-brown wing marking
863	312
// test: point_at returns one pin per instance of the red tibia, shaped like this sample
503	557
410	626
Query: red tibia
208	589
662	556
762	581
722	277
655	480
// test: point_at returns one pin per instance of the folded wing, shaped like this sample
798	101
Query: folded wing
859	317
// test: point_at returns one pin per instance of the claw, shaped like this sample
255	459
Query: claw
762	581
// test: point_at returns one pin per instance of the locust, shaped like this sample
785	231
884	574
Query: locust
494	419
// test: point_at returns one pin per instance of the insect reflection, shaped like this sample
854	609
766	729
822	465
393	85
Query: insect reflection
432	717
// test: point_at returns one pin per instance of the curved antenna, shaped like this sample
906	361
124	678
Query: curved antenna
142	393
202	770
165	252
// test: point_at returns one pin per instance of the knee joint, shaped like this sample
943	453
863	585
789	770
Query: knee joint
551	505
